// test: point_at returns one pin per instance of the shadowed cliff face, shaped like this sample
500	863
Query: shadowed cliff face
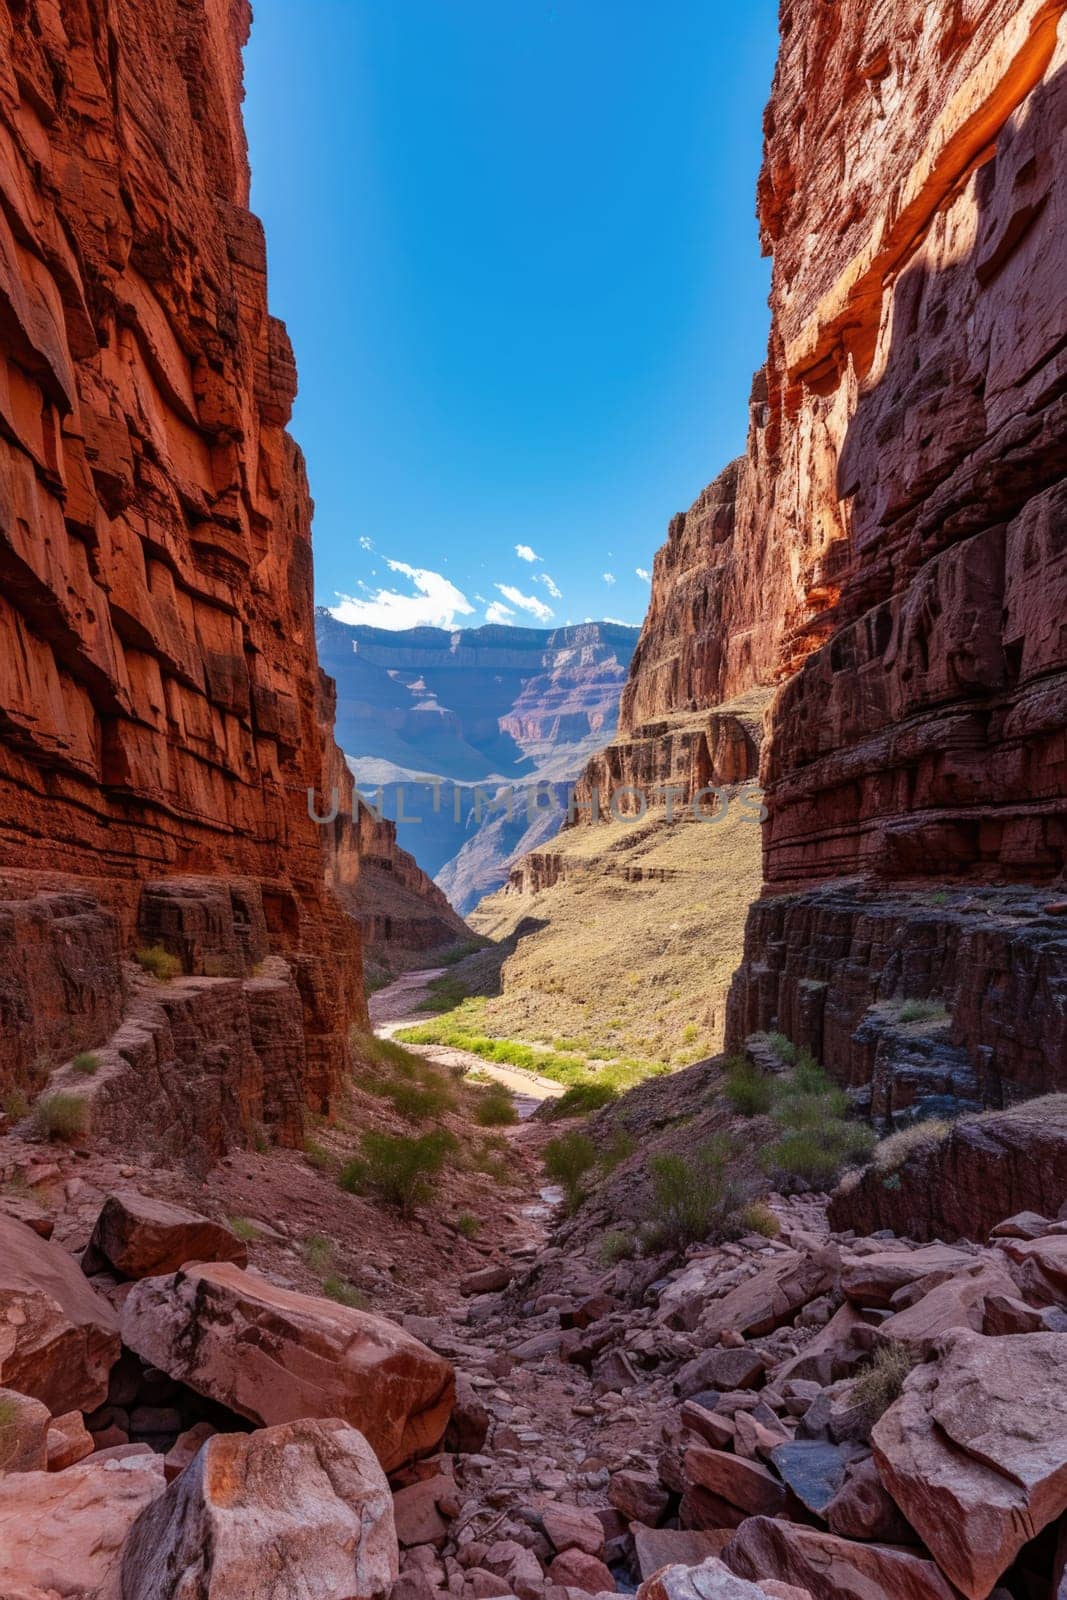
158	680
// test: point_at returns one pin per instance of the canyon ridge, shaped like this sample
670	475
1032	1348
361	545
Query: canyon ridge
691	1220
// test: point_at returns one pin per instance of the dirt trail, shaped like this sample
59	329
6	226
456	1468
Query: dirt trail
397	1006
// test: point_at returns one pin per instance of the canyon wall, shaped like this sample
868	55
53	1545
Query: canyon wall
160	705
887	563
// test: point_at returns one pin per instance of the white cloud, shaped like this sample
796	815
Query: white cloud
608	577
554	591
620	623
524	553
526	602
436	602
497	611
365	543
643	574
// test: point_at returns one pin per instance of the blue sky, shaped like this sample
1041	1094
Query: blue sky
515	245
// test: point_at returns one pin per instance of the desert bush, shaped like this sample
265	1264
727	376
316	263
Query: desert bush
691	1195
619	1148
882	1380
244	1229
398	1169
337	1288
318	1253
567	1160
159	962
891	1153
748	1091
62	1116
921	1011
468	1226
15	1105
581	1100
495	1107
617	1245
783	1047
86	1063
756	1217
316	1155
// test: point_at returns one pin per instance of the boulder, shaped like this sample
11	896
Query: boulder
422	1510
573	1528
720	1369
873	1280
301	1509
832	1568
58	1338
832	1353
975	1451
276	1356
639	1496
814	1469
742	1483
69	1441
774	1296
575	1569
1039	1268
711	1580
864	1509
24	1424
960	1302
656	1548
140	1237
61	1533
186	1448
487	1280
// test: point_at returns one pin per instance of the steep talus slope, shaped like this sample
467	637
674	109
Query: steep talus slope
160	724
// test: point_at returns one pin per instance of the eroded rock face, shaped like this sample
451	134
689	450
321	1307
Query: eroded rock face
275	1356
985	1169
158	676
975	1451
58	1338
299	1509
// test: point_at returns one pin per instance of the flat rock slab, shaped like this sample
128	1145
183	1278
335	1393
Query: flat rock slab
740	1482
140	1237
975	1451
686	1547
712	1580
59	1339
774	1296
873	1280
276	1356
813	1469
302	1509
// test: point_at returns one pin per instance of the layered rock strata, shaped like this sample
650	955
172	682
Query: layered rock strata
158	678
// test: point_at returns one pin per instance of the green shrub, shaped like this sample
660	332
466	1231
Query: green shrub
691	1195
817	1154
495	1107
159	962
783	1047
581	1100
86	1063
398	1169
62	1116
468	1226
619	1148
445	993
345	1293
922	1011
567	1160
15	1105
757	1217
244	1229
617	1245
318	1253
316	1155
882	1380
748	1091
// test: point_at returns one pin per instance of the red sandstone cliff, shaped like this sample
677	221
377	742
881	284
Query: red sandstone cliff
158	677
892	552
